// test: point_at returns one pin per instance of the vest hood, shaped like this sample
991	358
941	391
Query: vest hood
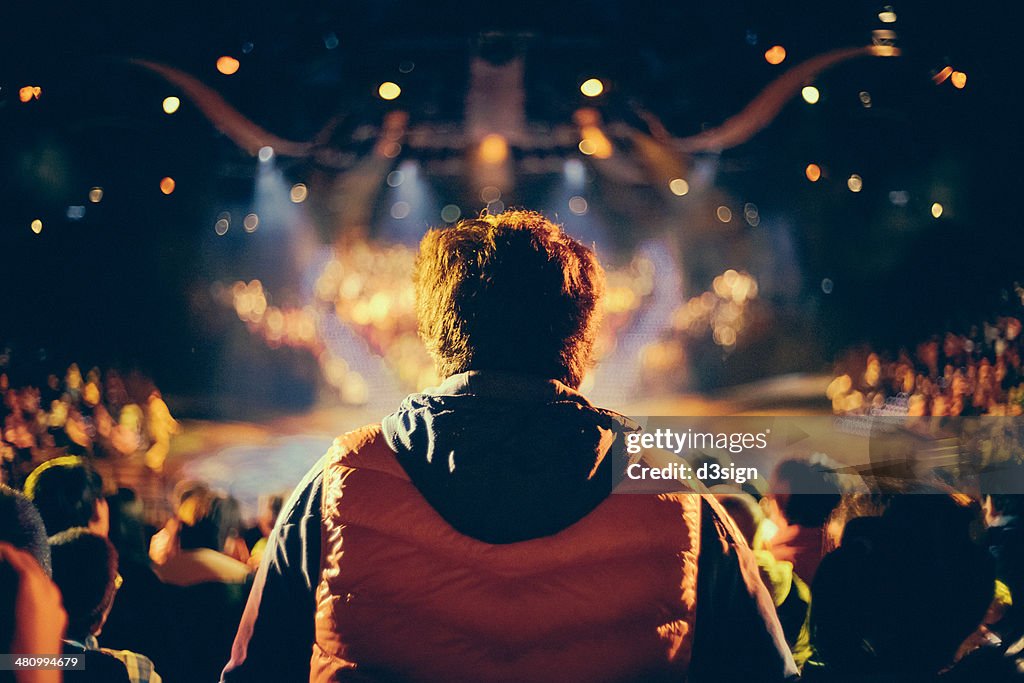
506	458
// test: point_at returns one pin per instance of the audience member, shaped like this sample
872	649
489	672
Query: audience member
85	570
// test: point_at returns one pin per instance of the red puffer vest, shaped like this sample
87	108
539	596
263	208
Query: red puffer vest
405	597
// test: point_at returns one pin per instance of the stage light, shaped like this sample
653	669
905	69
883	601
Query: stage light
167	185
251	222
724	214
171	104
221	226
810	94
227	65
944	73
96	195
813	172
936	210
490	194
959	79
450	213
679	187
266	153
394	179
592	87
575	173
776	54
587	146
855	183
37	226
865	98
29	93
578	205
298	193
493	149
887	15
389	91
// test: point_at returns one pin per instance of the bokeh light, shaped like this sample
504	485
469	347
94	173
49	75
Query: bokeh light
776	54
493	149
813	172
96	195
944	73
578	205
887	15
679	187
167	185
724	214
29	93
227	65
810	94
490	194
298	193
855	183
959	79
936	210
450	213
592	87
171	104
37	226
266	153
251	222
400	210
388	90
221	226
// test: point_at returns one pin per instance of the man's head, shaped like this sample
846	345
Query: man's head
69	493
805	492
510	293
85	570
22	527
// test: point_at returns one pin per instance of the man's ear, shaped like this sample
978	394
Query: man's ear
100	521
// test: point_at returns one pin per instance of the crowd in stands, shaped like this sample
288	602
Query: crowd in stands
977	373
102	415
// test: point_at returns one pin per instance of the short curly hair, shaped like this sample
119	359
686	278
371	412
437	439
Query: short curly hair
509	292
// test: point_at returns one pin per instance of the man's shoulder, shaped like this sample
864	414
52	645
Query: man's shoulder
365	448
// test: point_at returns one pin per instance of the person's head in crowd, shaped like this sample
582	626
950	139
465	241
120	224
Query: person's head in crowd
477	311
806	493
85	570
890	601
743	510
196	511
69	493
22	527
270	509
1002	508
127	528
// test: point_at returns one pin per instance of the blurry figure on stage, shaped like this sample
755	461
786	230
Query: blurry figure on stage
85	570
803	496
161	427
473	534
69	494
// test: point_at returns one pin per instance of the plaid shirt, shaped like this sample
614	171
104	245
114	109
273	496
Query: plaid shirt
140	667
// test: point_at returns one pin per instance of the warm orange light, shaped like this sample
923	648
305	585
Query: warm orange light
29	92
171	104
493	149
776	54
959	79
227	65
941	77
167	185
813	172
389	90
595	142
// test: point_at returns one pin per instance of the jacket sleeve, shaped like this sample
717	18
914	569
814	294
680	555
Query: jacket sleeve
737	635
275	637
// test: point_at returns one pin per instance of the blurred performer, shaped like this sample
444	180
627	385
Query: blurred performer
472	535
161	427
